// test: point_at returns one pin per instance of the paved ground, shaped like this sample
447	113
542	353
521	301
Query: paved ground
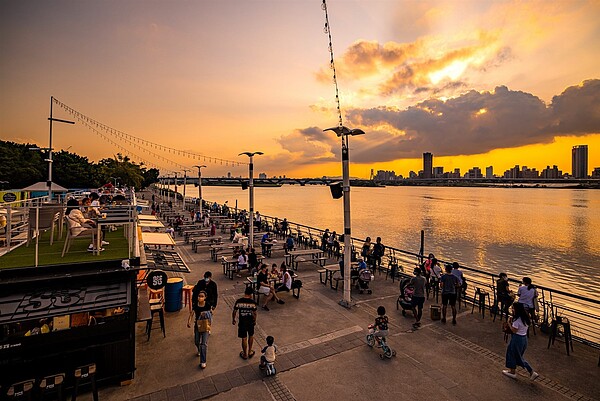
323	355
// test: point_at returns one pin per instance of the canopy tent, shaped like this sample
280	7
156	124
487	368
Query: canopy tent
42	186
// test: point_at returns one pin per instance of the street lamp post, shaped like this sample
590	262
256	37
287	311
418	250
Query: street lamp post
175	193
200	187
251	187
184	185
49	148
344	132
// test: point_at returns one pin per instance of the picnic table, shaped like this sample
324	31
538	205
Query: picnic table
147	217
251	282
150	224
229	266
218	248
197	231
315	255
198	241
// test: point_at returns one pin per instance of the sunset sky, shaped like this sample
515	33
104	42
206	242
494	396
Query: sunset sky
476	83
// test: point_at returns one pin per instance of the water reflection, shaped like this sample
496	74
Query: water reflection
523	231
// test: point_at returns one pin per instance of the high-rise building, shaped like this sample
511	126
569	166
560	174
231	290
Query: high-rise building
579	161
489	172
438	172
427	165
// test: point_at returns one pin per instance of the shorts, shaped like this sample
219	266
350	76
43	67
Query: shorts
448	299
264	290
417	302
381	333
245	330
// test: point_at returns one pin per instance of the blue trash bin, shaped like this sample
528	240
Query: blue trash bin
173	292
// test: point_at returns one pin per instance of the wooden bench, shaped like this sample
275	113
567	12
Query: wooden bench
229	266
320	261
321	273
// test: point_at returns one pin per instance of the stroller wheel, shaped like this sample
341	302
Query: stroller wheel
369	292
360	291
403	312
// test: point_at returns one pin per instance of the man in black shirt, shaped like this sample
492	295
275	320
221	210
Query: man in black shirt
210	287
246	307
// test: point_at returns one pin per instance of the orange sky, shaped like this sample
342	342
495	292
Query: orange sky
475	83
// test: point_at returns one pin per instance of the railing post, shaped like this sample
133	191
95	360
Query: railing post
8	225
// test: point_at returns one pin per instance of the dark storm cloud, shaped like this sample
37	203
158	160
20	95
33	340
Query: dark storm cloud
473	123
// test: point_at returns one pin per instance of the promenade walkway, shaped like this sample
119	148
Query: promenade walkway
323	354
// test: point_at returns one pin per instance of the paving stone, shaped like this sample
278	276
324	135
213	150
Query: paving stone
236	381
318	352
284	364
248	373
309	357
221	382
191	391
142	398
206	387
158	396
298	361
174	393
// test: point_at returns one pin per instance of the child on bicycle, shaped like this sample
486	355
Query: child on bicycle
268	353
381	325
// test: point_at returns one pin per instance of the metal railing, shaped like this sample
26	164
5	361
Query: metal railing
582	312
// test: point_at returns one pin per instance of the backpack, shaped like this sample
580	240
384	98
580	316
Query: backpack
297	284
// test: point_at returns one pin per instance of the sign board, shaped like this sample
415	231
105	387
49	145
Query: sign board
156	279
9	197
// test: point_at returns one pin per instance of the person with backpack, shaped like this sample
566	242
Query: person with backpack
202	317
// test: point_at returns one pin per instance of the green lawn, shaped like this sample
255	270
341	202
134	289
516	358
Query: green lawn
48	254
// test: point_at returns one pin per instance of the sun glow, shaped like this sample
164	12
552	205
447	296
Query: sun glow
452	71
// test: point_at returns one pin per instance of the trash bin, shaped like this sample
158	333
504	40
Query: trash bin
173	292
435	312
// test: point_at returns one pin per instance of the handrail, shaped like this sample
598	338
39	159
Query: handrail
585	324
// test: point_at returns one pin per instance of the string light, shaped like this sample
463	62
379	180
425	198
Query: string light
327	30
134	139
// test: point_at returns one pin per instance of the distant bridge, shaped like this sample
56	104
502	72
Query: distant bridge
223	181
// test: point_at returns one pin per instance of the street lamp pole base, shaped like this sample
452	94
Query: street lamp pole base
346	304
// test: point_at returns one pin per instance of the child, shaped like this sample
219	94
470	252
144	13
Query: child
381	324
268	352
274	272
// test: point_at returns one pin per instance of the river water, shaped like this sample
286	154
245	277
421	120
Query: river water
551	235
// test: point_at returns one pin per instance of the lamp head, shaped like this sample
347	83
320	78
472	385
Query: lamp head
344	131
250	154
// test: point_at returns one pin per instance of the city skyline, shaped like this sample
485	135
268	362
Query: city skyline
474	83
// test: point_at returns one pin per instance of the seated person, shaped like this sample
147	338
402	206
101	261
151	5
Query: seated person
262	280
274	273
237	236
286	280
78	223
242	263
289	244
268	353
264	243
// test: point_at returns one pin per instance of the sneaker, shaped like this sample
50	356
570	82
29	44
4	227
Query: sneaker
534	375
265	308
280	301
105	243
511	375
203	365
94	250
90	247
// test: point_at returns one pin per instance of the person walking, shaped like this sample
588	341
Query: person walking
207	285
519	323
245	308
202	314
450	285
418	282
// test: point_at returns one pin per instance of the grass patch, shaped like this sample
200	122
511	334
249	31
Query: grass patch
48	254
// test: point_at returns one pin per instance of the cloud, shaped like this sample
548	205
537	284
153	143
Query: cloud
472	123
477	122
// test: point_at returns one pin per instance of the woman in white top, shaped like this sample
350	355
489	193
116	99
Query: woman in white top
527	293
76	221
519	324
242	263
286	280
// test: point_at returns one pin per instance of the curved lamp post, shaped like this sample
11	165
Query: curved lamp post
344	132
200	186
251	187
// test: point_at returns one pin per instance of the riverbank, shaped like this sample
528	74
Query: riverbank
323	355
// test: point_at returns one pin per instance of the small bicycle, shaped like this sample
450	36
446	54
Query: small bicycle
382	343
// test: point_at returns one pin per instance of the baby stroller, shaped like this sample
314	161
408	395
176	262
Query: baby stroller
364	277
405	297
